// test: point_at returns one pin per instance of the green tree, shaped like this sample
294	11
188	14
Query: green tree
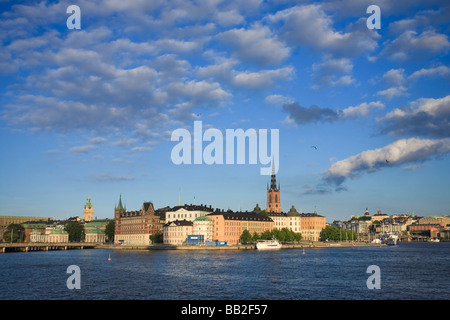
157	238
255	236
110	230
16	231
266	235
332	233
246	237
264	213
75	231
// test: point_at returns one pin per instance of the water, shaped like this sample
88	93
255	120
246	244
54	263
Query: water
408	271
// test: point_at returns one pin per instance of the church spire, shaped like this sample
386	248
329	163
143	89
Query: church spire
120	206
273	180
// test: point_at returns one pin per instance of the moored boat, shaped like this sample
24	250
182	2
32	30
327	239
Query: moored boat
268	244
389	238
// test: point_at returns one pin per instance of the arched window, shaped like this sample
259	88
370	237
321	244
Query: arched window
276	198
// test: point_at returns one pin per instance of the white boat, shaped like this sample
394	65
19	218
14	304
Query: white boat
389	238
268	244
434	240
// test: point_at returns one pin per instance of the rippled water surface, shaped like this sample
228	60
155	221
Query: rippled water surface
408	271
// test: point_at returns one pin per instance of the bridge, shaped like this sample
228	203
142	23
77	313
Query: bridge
44	246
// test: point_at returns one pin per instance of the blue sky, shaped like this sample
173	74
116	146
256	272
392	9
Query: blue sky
90	112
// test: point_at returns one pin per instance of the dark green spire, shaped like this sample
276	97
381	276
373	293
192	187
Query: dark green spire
120	206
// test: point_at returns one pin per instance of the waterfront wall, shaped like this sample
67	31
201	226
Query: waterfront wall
309	244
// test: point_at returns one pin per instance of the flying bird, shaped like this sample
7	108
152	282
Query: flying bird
314	147
387	161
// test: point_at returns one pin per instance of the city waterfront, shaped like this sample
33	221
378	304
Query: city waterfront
416	270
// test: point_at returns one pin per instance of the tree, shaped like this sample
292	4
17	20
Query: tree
110	230
75	231
16	231
246	237
157	238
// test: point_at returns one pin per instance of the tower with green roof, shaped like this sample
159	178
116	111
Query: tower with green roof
88	213
119	209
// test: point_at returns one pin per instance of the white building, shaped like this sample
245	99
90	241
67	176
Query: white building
203	226
176	232
187	212
57	235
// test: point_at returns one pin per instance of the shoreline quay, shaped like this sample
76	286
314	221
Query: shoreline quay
309	245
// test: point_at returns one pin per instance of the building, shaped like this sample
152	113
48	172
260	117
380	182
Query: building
203	226
135	227
228	226
290	220
379	216
95	235
273	194
30	226
88	213
96	224
7	220
187	212
311	226
176	232
57	235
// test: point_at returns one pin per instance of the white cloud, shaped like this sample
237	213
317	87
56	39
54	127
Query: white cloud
262	79
255	45
441	71
310	26
277	99
392	92
394	76
400	152
426	117
362	109
332	72
411	44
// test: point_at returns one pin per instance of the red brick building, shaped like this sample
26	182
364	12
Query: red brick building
135	227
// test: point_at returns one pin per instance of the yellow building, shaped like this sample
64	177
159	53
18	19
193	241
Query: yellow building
311	226
228	226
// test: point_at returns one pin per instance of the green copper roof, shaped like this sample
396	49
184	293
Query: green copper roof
120	206
203	218
293	212
58	231
95	231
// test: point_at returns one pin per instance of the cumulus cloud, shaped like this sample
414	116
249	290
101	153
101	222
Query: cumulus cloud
247	44
404	151
423	117
361	110
392	92
441	71
411	44
315	114
310	26
277	99
332	72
